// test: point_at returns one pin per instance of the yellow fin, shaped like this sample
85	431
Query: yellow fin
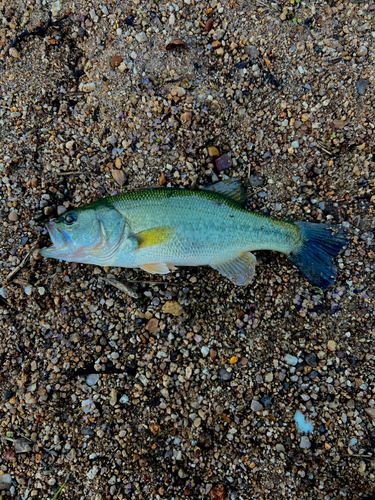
158	268
154	236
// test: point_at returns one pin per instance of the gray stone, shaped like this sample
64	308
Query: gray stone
252	51
224	375
141	37
256	181
92	379
256	406
361	86
305	443
311	360
290	360
370	412
5	482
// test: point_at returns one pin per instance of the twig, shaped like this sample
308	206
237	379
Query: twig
120	286
72	172
257	191
322	146
356	455
264	4
133	8
20	266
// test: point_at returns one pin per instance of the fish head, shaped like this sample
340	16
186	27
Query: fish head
89	235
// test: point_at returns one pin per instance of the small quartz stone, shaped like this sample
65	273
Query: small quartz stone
256	406
92	379
332	345
290	360
205	351
362	51
141	37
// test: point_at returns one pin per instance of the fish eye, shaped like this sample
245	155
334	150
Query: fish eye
70	219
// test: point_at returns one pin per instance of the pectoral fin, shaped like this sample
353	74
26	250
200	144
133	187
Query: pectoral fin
240	270
153	236
158	268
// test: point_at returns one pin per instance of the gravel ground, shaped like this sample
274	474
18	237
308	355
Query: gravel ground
191	389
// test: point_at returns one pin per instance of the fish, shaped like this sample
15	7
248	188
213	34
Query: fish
160	229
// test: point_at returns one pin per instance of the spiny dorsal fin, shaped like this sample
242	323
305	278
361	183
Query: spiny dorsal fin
230	188
153	236
158	268
240	270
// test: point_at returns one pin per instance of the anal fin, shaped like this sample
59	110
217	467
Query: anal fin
240	270
158	268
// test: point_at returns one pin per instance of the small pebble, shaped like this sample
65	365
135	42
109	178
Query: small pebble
332	345
223	163
116	61
290	360
92	379
362	51
213	152
269	377
362	85
13	216
14	53
141	37
256	406
311	360
224	375
205	351
305	443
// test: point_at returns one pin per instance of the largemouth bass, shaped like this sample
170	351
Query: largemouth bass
159	229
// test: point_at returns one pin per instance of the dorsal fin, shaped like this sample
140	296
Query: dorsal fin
230	188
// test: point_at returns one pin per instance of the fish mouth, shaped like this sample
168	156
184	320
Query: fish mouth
59	241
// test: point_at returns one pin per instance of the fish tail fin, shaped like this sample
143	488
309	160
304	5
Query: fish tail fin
320	244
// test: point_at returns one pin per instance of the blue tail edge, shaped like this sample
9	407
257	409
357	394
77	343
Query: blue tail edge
321	243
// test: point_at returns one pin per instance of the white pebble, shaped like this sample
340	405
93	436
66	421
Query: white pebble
205	351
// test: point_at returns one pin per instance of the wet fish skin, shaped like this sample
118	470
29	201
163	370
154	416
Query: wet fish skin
158	229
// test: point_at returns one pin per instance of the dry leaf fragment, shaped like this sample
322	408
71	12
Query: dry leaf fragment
162	179
218	492
186	118
176	42
173	307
